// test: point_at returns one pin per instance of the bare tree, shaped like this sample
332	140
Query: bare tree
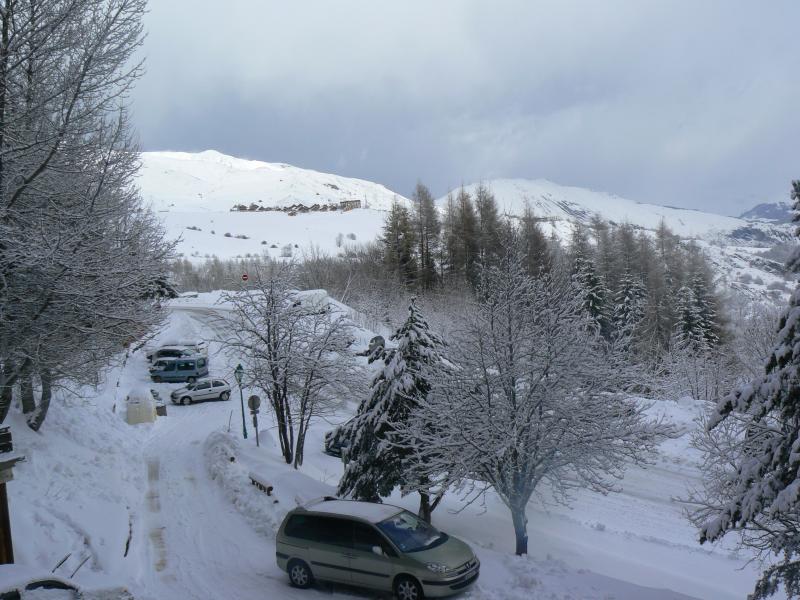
534	396
295	348
81	261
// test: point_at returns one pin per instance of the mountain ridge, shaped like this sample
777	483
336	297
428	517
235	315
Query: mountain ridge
193	194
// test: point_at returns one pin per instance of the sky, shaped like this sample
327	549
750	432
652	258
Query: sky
683	103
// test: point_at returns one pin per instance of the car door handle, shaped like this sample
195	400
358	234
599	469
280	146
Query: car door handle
348	555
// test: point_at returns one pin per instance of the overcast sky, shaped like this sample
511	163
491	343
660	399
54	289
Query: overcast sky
692	103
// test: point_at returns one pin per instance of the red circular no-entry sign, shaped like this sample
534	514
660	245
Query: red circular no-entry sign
245	277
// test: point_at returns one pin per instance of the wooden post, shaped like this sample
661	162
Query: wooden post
6	546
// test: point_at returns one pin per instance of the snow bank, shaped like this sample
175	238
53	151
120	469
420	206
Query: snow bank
261	512
290	487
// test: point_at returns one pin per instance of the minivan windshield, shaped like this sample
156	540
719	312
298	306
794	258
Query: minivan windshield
411	534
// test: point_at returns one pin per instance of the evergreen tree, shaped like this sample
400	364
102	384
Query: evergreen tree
538	256
427	228
759	499
375	460
628	311
449	240
690	330
464	238
399	243
488	225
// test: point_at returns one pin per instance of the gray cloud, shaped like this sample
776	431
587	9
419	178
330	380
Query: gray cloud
684	103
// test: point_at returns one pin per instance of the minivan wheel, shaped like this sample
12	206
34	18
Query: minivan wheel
156	379
299	574
191	379
407	588
225	396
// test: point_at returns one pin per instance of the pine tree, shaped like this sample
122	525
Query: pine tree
760	498
375	460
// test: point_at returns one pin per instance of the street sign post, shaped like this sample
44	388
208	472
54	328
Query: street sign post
238	372
253	402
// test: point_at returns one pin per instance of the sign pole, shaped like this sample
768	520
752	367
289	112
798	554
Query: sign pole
238	372
253	402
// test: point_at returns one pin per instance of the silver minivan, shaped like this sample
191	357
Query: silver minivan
186	368
375	546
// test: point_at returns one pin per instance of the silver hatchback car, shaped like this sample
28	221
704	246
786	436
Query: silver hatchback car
200	390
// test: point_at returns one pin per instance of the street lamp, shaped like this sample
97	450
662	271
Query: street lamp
238	372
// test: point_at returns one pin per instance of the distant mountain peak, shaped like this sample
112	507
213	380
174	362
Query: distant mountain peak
775	212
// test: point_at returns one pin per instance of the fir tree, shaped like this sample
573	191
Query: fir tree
375	459
690	329
628	309
760	499
594	294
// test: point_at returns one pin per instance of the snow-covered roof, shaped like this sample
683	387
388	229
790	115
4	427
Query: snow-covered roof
374	513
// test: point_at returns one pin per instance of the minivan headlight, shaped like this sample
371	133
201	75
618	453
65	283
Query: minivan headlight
437	567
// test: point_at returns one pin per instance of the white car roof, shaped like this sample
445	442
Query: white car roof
369	511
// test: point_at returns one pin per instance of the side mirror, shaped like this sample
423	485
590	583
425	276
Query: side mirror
377	550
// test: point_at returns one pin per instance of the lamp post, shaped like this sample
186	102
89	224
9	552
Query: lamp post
238	372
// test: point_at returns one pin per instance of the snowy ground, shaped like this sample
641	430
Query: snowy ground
195	529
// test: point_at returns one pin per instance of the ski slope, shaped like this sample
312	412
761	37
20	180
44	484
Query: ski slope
195	528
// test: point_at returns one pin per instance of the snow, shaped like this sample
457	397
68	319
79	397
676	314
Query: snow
192	195
564	203
374	513
195	527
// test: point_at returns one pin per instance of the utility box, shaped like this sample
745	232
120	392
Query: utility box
140	407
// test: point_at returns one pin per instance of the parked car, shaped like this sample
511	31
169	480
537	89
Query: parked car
187	368
176	351
376	546
202	389
25	583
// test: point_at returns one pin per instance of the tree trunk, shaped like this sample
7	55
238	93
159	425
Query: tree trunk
298	450
425	509
520	520
37	418
6	391
26	393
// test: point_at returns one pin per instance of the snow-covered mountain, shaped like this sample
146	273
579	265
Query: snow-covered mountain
565	204
211	181
193	194
777	212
